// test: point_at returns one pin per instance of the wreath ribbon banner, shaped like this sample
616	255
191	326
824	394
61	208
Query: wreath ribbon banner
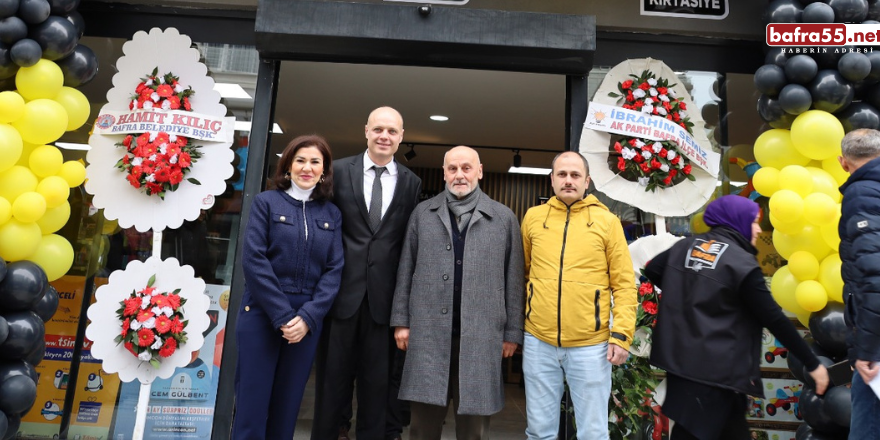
613	119
193	125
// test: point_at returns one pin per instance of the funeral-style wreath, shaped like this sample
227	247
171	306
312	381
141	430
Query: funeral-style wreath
655	164
153	325
158	162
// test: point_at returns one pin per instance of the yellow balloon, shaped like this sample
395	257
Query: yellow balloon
782	287
5	210
809	240
698	226
814	164
73	172
803	265
40	81
77	106
26	150
43	122
54	218
830	234
10	146
774	149
832	165
54	189
29	207
817	134
45	160
797	179
11	106
18	240
824	183
766	181
804	318
789	228
16	181
110	227
54	255
820	209
811	296
787	205
829	277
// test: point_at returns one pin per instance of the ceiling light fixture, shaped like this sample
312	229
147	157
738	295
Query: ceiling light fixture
517	159
530	170
73	146
411	154
439	118
246	126
230	90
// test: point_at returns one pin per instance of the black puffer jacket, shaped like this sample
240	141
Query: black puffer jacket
860	252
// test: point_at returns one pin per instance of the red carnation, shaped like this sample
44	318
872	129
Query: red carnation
133	180
172	149
126	325
621	164
639	104
147	290
682	106
644	86
175	102
617	147
683	126
645	168
655	164
174	301
628	107
154	188
159	300
130	347
630	97
184	160
143	139
176	325
663	152
176	176
162	175
164	90
144	315
186	104
140	87
676	117
168	348
673	172
638	158
163	324
676	160
645	288
661	90
626	84
131	306
632	142
686	169
667	106
127	141
667	180
655	112
650	307
146	337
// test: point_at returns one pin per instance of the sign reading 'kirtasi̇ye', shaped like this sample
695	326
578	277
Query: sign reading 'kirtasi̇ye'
611	119
188	124
704	9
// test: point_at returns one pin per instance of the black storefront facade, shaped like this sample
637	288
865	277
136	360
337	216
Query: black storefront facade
565	39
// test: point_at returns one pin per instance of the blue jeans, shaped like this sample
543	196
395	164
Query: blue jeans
865	421
588	373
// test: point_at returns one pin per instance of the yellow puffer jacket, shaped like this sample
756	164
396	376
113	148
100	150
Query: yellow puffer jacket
576	260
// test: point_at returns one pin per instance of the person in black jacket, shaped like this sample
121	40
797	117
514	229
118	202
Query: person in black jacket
709	325
859	230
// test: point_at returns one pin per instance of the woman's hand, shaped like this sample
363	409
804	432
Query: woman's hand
294	330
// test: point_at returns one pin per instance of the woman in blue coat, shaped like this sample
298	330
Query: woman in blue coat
292	264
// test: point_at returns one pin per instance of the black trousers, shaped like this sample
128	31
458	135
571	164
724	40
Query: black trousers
352	349
704	412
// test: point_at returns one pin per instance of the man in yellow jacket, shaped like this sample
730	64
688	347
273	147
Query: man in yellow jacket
581	303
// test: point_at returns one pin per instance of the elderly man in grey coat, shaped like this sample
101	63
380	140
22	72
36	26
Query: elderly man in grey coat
458	304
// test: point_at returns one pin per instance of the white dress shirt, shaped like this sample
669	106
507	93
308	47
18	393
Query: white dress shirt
389	182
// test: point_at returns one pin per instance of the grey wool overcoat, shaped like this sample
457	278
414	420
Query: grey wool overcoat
491	303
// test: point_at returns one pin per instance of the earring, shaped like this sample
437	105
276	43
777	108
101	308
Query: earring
322	178
287	175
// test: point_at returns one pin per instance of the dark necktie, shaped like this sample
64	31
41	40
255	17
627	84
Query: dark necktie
376	199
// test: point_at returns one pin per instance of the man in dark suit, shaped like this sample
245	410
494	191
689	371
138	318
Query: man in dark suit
376	196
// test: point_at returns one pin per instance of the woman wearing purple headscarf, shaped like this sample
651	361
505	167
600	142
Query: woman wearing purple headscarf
708	333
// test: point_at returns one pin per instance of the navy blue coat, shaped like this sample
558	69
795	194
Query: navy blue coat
278	260
860	252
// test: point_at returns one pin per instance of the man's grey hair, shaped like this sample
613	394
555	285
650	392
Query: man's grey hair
863	143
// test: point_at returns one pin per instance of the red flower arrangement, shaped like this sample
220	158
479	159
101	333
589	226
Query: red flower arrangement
152	323
155	162
649	300
654	163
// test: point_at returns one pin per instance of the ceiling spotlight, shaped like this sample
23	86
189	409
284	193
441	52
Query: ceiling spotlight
411	154
439	118
517	159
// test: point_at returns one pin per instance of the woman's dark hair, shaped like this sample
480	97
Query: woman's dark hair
324	188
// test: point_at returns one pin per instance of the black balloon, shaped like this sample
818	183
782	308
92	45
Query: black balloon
804	432
838	405
26	52
772	113
12	29
874	11
4	329
35	357
15	368
63	7
812	409
854	66
47	305
14	424
23	286
8	68
34	11
7	8
80	67
859	115
829	329
830	91
808	380
818	13
26	332
849	11
770	79
795	99
776	56
57	37
3	268
874	58
78	22
783	11
801	69
826	57
17	394
4	423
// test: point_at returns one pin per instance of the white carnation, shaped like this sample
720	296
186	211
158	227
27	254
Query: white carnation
648	109
173	159
646	154
155	97
652	82
639	143
145	356
653	92
657	147
148	82
649	100
628	153
670	155
172	137
153	136
150	323
145	302
672	93
643	181
664	98
661	111
178	88
161	80
137	161
639	93
151	178
166	105
135	324
157	344
664	168
148	105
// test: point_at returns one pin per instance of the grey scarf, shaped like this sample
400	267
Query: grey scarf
463	208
